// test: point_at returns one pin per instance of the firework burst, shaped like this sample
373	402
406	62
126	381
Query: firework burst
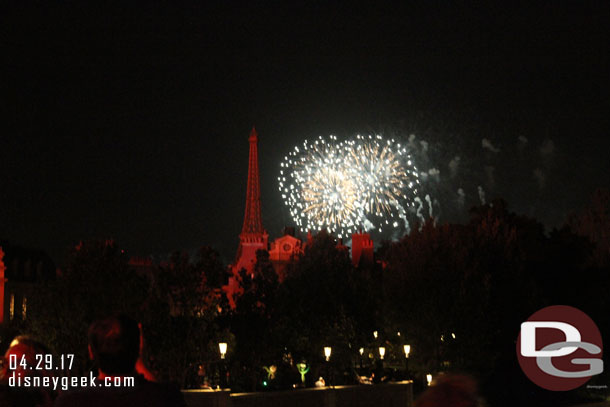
342	186
386	177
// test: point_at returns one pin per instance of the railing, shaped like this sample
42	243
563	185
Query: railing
399	394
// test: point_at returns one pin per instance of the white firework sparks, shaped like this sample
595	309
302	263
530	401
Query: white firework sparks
342	186
320	192
386	177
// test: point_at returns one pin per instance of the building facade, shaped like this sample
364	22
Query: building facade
285	249
20	270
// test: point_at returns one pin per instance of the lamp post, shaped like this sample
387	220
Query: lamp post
222	347
429	378
381	352
407	349
361	351
327	352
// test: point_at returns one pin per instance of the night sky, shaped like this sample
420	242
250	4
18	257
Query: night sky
132	121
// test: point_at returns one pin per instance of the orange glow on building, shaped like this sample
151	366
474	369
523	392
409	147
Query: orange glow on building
285	249
362	249
253	236
2	281
11	307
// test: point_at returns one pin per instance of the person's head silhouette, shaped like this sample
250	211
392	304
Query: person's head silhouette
114	344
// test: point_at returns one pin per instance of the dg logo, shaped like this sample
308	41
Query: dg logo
560	348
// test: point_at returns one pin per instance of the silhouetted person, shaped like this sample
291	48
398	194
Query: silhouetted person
379	374
450	391
114	344
24	349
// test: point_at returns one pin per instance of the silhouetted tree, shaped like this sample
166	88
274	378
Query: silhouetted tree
322	302
252	323
593	222
463	290
181	329
478	282
96	281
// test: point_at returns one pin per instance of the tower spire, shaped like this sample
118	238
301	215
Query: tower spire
253	236
253	225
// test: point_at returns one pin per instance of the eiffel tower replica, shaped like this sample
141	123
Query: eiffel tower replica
253	236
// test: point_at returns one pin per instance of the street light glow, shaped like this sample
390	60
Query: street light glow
327	351
222	346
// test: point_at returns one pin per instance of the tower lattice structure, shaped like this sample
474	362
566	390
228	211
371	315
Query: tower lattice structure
253	236
253	224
